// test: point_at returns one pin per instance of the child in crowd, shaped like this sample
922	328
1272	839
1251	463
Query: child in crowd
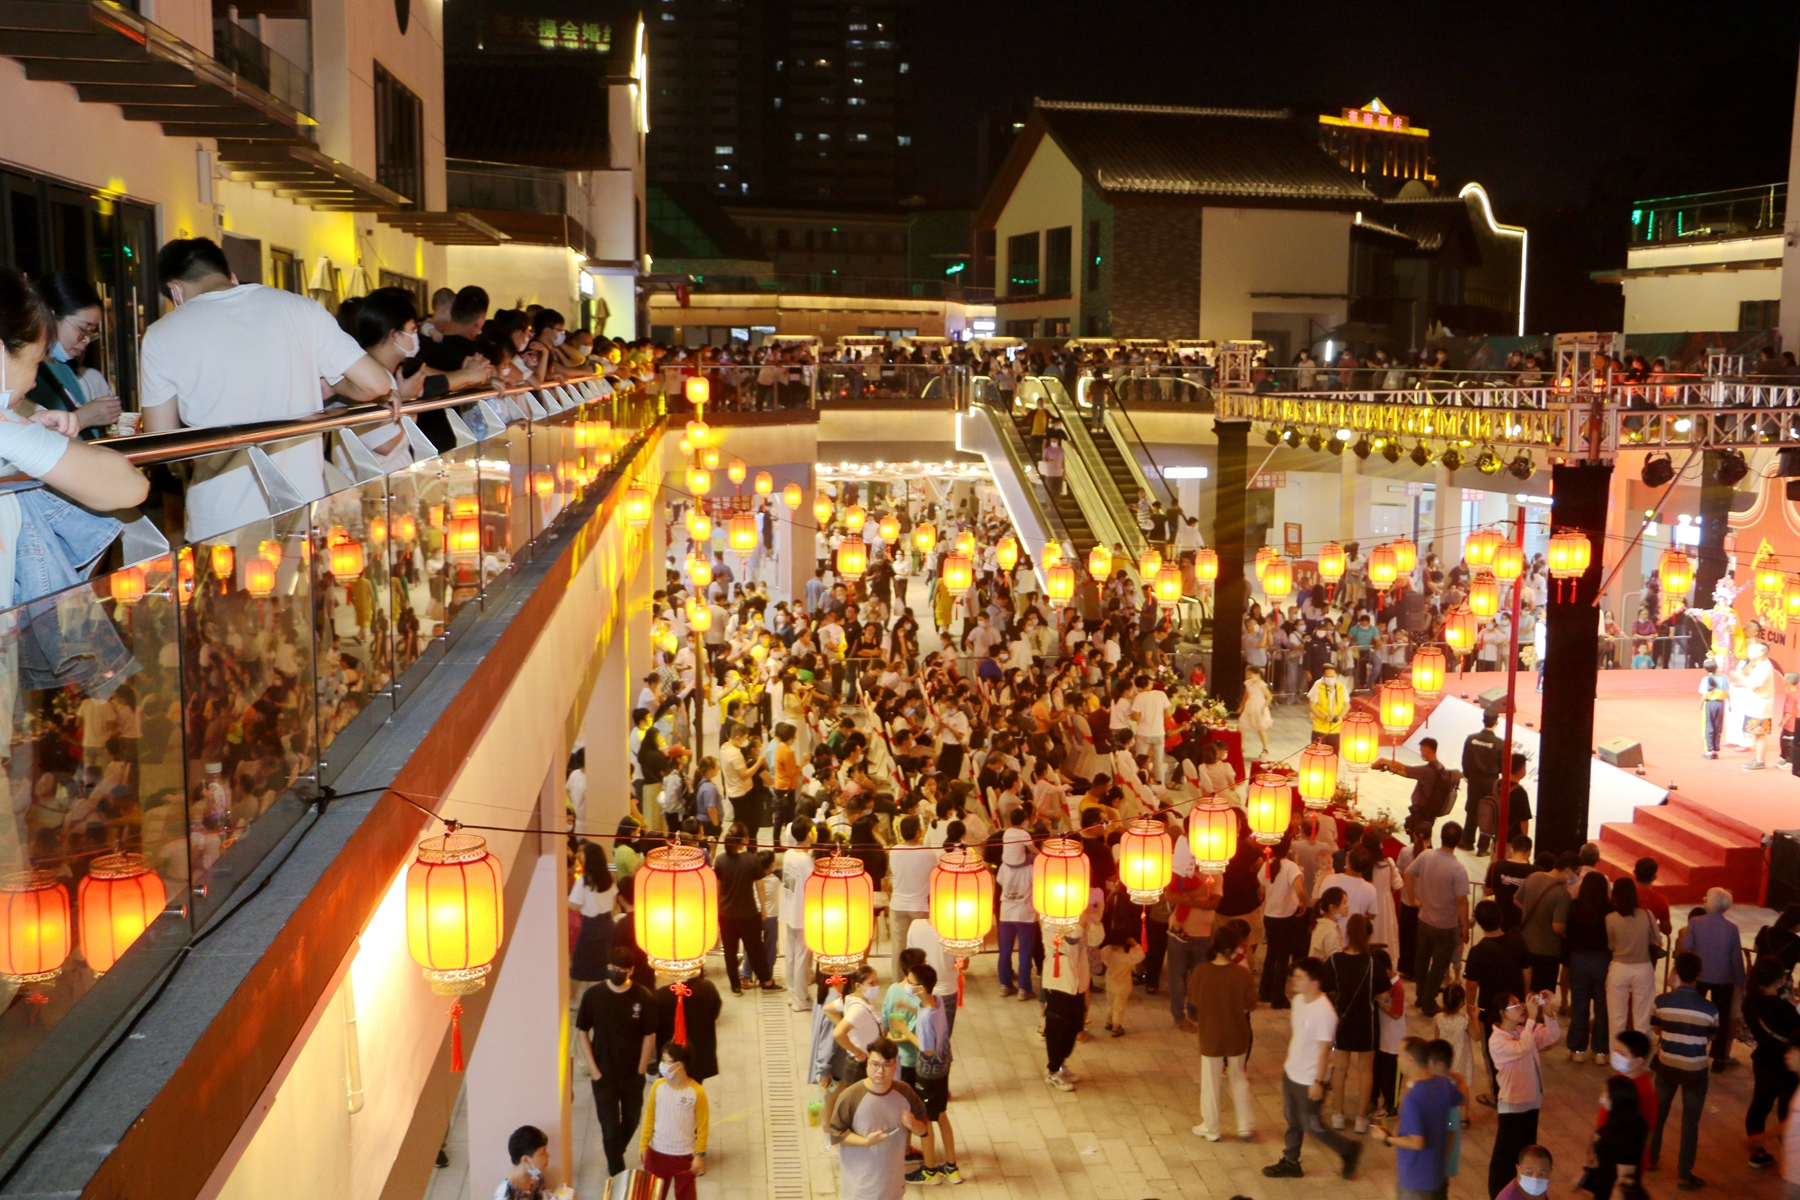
1714	688
1453	1027
1390	1014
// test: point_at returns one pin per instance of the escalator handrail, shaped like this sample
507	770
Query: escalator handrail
1080	476
1047	512
1168	496
1107	491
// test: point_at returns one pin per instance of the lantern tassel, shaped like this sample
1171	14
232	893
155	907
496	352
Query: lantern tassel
1056	948
960	964
682	991
456	1047
36	1000
1144	927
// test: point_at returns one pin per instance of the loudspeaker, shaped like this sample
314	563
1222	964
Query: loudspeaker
1494	695
1622	752
1784	868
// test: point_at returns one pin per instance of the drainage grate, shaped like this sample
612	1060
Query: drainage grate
783	1124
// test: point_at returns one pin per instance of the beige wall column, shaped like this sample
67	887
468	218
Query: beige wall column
605	728
1347	490
1446	536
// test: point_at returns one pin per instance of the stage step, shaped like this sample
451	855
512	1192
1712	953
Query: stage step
1695	849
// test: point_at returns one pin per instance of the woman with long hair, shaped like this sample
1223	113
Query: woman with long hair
1631	935
1589	961
1359	987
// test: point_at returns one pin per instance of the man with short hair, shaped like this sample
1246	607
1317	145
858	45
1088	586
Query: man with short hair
1422	1142
1439	886
1431	779
1149	707
865	1123
1221	996
1329	703
910	865
1543	902
1495	967
1313	1026
1533	1179
617	1036
1684	1021
1481	769
234	354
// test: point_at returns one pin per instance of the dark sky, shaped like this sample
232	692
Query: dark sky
1536	100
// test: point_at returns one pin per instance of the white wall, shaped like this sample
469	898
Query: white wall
514	274
1256	250
1702	302
1048	196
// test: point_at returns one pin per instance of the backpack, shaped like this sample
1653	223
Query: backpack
1442	798
1487	811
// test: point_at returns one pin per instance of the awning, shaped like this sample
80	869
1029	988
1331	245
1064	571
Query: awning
445	228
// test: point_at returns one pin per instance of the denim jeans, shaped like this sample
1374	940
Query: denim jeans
1587	988
1693	1102
1302	1113
1024	935
1183	956
75	642
1436	946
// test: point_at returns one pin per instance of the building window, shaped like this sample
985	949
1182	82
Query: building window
1056	327
1022	264
862	137
1026	329
1058	260
1758	314
399	138
904	139
1093	256
284	271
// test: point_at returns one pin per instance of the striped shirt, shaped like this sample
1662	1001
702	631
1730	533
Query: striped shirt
1685	1022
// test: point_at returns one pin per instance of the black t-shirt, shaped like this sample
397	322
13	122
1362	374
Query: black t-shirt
616	1023
1505	878
738	874
1496	964
447	355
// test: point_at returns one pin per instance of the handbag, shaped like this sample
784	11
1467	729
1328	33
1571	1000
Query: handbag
1658	951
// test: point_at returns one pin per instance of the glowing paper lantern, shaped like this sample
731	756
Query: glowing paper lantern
822	509
1676	571
1484	596
736	471
455	919
462	506
270	548
792	496
677	915
1100	562
637	507
1384	568
1262	559
1149	563
464	536
1053	552
699	615
378	528
1396	698
839	908
855	518
964	543
118	898
128	585
543	484
1059	584
1146	860
740	535
959	574
1570	553
1167	587
1213	836
699	525
699	572
924	538
36	934
1479	550
1359	740
961	904
405	529
852	558
1790	597
1059	885
889	529
1278	578
697	433
1206	564
1331	562
1461	629
1006	553
1406	556
1509	562
259	577
698	390
1769	578
699	480
1428	673
347	560
765	483
223	558
1318	775
1268	808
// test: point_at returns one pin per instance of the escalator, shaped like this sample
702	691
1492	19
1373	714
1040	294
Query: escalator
1128	460
1078	535
987	429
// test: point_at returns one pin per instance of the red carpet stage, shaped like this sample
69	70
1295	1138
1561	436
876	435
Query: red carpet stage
1709	831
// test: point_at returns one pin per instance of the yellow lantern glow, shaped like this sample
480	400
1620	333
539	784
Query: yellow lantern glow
1059	584
1167	587
1570	553
1396	698
961	904
259	577
676	917
347	560
462	506
699	480
699	572
223	558
1461	629
1359	740
1384	568
1149	563
1790	597
1428	673
959	574
1213	836
924	537
1406	556
1206	564
855	517
36	933
637	507
852	558
1331	562
1676	571
271	548
1769	578
699	525
964	543
1006	553
709	458
455	912
464	536
765	483
889	529
1146	860
1059	884
1478	550
378	529
839	910
1268	808
1278	578
118	899
822	509
740	534
698	390
1262	560
1100	562
128	585
792	496
699	615
1509	562
698	434
1484	596
736	470
1053	552
1318	775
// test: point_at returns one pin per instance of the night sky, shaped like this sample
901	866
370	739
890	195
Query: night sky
1565	112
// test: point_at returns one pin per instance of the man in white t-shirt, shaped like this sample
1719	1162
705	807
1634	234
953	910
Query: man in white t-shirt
1306	1073
1148	708
236	353
1358	891
909	866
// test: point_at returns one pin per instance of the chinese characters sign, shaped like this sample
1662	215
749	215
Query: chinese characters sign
548	33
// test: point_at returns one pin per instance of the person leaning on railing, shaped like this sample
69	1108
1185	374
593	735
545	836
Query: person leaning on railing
62	382
385	324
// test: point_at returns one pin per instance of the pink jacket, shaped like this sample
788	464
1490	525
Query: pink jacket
1516	1060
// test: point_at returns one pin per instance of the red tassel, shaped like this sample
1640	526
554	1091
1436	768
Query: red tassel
681	991
1056	964
456	1050
960	964
37	1000
1144	935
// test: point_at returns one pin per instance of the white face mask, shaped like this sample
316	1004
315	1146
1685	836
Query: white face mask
408	343
872	993
531	1170
666	1070
561	335
1620	1063
57	352
1531	1185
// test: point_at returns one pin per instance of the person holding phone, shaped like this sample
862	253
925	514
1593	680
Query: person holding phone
865	1124
1527	1026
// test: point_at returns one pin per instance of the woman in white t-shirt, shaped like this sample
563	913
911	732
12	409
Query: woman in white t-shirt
1284	922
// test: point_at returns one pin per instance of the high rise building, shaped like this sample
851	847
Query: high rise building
784	101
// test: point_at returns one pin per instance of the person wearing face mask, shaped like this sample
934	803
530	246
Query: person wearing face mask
235	353
62	384
1527	1026
1630	1057
529	1151
385	324
673	1143
1533	1179
548	334
617	1039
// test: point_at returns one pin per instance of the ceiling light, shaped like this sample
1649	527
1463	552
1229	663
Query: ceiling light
1488	463
1314	442
1272	435
1522	467
1292	437
1391	451
1420	455
1362	449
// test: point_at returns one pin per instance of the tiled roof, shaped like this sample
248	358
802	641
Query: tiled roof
1427	222
1249	154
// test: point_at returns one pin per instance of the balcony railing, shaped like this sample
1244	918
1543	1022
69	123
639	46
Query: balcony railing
176	716
828	284
1710	216
473	184
239	50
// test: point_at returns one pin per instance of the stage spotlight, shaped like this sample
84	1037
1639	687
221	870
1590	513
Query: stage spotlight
1732	468
1335	446
1522	467
1452	459
1272	436
1487	462
1390	450
1315	442
1362	449
1291	437
1421	456
1658	471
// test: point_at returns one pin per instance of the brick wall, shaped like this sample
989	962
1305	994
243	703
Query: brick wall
1155	273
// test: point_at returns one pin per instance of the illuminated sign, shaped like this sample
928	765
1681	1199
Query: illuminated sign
1268	481
1372	119
548	33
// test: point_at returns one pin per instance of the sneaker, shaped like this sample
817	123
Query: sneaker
1069	1075
1350	1159
926	1176
1247	1136
1337	1120
1362	1125
1027	994
1760	1159
1283	1168
948	1173
1187	1026
1056	1080
1007	990
1200	1131
1690	1183
1117	1030
1749	766
1578	1056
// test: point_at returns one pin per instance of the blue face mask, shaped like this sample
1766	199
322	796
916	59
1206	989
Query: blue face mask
57	352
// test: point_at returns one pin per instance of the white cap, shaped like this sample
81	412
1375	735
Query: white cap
215	768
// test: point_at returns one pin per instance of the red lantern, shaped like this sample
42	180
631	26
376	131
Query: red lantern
699	480
1676	571
736	470
1359	739
677	910
959	574
699	615
699	572
637	507
822	509
1278	579
1396	698
1149	563
1059	584
1406	556
1331	562
1461	629
1168	585
740	535
964	543
35	931
1100	562
1769	578
1059	884
961	901
118	899
259	578
1206	564
852	558
699	525
1006	553
1212	836
854	518
1384	568
1479	549
709	457
406	528
1318	775
1053	553
1484	596
464	536
1146	860
924	537
765	483
347	560
839	912
128	585
1268	808
223	559
1428	673
1262	559
792	496
1790	597
1509	562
